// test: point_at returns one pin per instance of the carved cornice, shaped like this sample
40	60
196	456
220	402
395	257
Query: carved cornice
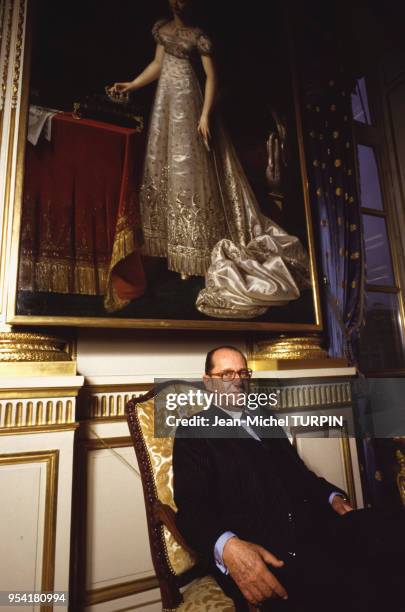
23	346
303	347
287	353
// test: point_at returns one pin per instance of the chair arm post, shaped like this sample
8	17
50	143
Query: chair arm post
166	515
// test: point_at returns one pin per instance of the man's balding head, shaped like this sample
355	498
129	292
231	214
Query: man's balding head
224	357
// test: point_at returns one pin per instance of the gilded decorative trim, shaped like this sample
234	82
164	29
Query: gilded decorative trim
37	369
10	151
108	402
325	395
18	431
2	13
31	347
115	387
124	589
348	463
28	416
18	53
304	175
306	347
27	393
51	459
6	55
6	211
111	322
401	474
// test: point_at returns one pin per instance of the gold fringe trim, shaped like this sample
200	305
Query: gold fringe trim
126	242
194	265
62	277
191	261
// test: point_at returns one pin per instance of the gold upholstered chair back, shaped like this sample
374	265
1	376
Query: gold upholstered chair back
174	562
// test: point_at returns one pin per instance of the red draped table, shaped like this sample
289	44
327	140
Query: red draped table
81	226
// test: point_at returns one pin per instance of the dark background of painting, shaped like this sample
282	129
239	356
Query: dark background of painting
80	46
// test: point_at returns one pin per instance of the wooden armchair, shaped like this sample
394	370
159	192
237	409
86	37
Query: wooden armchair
174	562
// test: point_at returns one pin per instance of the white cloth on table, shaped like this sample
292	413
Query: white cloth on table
40	121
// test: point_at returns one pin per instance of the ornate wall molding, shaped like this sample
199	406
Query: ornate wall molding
310	395
38	405
291	352
51	459
82	595
23	346
6	24
35	354
36	416
12	138
108	402
19	44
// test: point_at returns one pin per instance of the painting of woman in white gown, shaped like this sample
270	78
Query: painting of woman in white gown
197	207
214	186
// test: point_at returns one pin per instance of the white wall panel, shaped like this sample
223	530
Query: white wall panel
23	490
117	538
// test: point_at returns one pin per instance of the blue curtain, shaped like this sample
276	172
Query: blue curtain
334	196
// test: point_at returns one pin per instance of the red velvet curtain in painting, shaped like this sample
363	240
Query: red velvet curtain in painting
80	219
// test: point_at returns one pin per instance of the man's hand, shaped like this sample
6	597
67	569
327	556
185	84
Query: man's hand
341	505
246	563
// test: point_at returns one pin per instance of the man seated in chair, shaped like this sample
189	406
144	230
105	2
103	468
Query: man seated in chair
273	533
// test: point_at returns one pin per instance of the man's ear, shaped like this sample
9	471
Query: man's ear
208	382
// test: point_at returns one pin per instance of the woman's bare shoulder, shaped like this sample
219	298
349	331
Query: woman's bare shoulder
165	25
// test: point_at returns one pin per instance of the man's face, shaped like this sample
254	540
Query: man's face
227	361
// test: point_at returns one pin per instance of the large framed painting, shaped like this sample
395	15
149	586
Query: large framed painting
163	179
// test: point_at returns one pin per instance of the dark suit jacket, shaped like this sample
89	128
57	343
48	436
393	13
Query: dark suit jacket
260	490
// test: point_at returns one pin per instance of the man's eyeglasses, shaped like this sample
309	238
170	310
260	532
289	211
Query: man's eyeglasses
227	375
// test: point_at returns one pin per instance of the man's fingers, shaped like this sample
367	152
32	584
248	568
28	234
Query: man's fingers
277	587
268	557
253	594
272	587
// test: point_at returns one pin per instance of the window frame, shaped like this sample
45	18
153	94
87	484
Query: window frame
373	135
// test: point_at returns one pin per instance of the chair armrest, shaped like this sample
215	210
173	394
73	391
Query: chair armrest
167	516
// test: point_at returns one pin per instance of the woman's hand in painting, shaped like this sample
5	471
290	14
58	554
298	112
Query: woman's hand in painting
120	87
204	130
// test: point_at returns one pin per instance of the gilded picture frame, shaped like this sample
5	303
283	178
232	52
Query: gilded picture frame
296	319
